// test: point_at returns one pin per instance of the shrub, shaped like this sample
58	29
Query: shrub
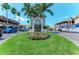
38	35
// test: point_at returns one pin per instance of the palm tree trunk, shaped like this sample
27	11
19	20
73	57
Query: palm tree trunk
44	21
7	16
44	18
19	23
31	23
28	26
14	16
19	19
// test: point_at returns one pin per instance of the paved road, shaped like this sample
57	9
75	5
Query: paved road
5	37
74	37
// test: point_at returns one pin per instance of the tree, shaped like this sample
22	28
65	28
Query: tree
37	10
14	11
29	11
6	7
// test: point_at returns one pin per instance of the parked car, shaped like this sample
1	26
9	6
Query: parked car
1	32
60	29
10	29
23	29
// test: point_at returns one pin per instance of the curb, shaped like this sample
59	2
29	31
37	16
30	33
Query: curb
8	38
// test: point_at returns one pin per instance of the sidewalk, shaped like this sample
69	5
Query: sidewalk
74	37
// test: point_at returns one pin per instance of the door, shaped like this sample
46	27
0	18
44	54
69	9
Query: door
37	27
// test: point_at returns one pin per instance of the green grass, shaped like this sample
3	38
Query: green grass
21	45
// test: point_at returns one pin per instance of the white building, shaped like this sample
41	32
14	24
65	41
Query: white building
71	25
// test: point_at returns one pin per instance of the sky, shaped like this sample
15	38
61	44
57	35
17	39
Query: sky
61	11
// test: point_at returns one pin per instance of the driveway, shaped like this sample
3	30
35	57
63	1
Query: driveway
74	37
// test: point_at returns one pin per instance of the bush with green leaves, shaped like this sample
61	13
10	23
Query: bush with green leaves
38	35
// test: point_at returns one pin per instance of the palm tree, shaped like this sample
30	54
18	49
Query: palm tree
28	10
6	7
14	11
18	13
37	10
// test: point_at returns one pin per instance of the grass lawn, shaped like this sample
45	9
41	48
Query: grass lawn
55	45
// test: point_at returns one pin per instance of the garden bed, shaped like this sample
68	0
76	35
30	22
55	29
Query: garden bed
38	35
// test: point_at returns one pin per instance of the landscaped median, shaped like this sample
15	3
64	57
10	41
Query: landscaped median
55	45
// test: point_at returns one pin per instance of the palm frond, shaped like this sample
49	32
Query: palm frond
6	6
13	10
49	5
18	13
23	9
48	10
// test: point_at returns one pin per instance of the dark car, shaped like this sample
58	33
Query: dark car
60	29
1	32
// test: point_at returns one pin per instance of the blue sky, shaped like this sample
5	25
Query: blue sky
61	12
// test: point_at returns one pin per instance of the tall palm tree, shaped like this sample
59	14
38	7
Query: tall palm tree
37	10
14	11
28	10
19	14
6	7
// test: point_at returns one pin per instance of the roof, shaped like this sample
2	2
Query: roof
76	17
4	19
71	18
61	22
22	25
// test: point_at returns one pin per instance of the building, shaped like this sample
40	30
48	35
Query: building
8	22
71	24
52	27
22	26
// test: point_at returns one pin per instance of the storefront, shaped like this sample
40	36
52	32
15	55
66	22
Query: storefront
7	22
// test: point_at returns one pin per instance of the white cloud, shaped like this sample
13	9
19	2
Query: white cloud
21	19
